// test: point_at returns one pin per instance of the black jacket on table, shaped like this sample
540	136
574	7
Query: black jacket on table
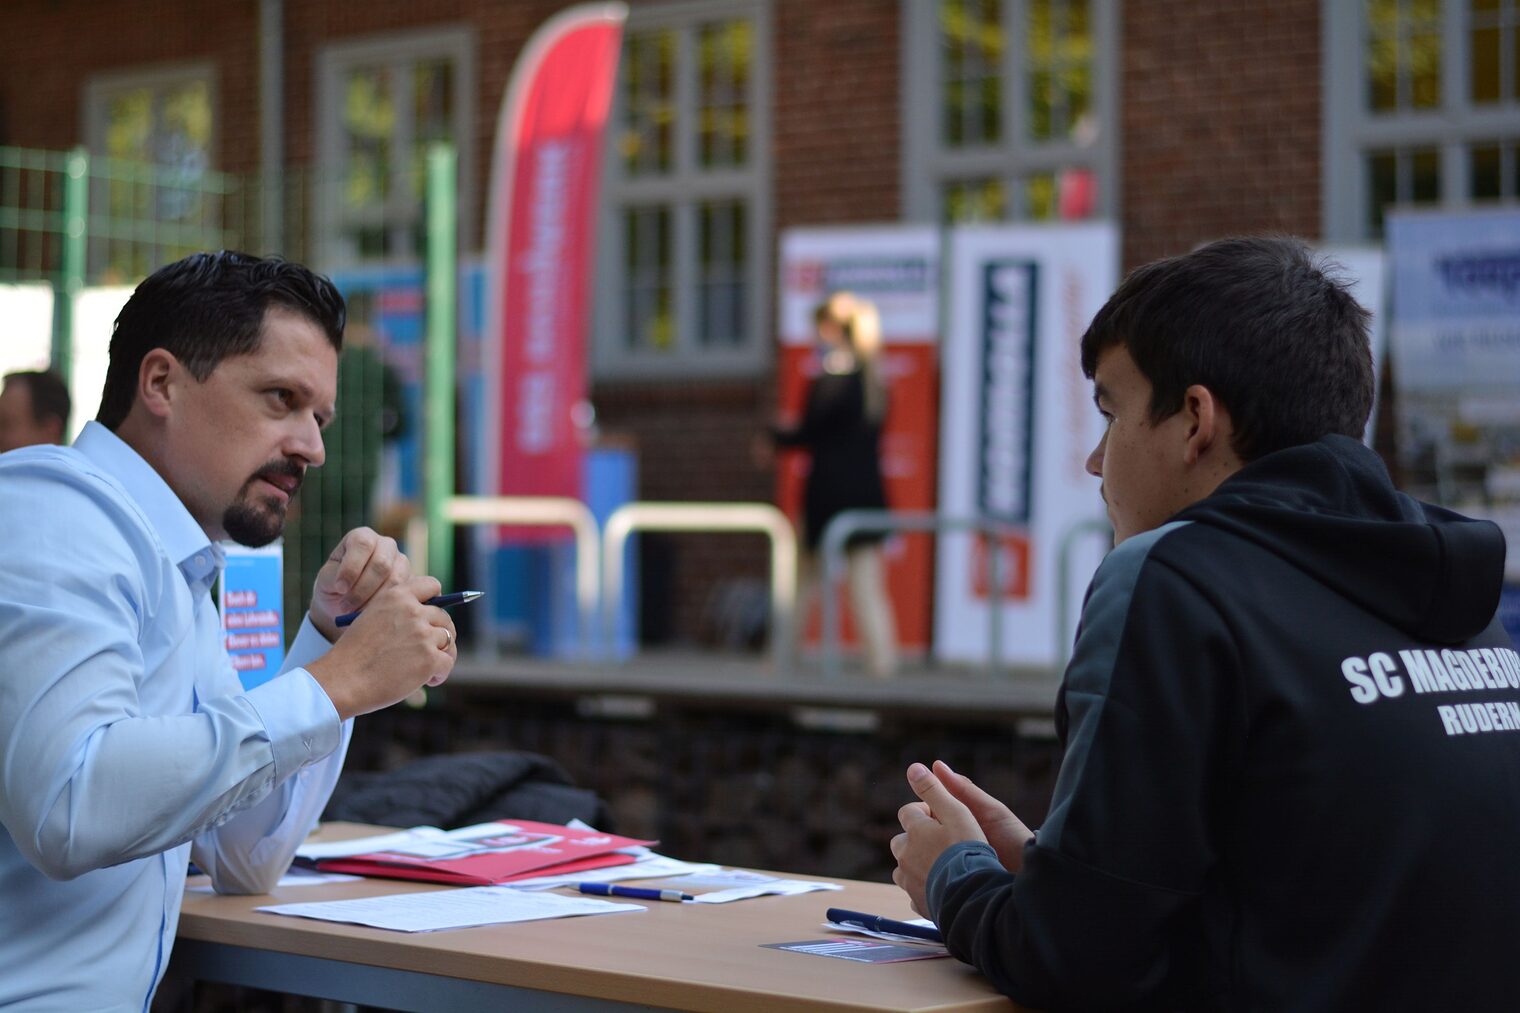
1292	770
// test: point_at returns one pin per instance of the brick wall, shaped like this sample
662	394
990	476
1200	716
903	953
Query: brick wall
1220	122
50	51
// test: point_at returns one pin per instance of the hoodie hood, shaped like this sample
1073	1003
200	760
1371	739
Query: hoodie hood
1330	509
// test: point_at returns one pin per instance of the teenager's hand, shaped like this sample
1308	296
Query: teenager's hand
930	826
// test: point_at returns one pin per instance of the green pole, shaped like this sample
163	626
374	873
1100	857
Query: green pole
438	390
76	208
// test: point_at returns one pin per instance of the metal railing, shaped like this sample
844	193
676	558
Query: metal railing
528	511
758	518
851	522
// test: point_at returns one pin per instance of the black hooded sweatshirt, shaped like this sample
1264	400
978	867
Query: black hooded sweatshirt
1292	770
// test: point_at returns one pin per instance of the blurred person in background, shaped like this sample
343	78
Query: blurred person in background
841	428
34	408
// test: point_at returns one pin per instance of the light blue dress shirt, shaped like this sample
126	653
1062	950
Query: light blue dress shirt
127	744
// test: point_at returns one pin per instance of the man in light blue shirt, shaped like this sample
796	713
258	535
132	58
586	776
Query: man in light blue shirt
127	744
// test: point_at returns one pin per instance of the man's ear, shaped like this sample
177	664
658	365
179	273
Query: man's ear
1208	423
159	380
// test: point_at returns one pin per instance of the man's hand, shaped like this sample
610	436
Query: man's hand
929	827
395	647
1005	832
364	564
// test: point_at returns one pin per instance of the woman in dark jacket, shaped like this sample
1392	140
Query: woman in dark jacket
841	427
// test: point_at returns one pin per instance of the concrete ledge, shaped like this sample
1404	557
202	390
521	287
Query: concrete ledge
724	680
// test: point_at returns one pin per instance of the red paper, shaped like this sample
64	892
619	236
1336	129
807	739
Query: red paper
496	853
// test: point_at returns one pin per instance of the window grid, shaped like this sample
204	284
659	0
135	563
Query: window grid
971	35
648	299
1494	47
1033	147
689	303
1058	51
1386	145
721	256
648	82
163	118
723	53
1403	54
381	103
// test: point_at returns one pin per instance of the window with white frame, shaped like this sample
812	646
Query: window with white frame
381	103
1422	108
161	117
1009	109
681	257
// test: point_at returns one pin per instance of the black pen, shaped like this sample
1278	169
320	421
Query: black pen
876	923
443	601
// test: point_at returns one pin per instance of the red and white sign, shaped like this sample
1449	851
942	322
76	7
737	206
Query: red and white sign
541	233
896	268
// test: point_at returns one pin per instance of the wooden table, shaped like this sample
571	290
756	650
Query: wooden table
672	956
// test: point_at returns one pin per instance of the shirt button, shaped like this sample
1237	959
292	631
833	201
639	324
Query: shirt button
200	560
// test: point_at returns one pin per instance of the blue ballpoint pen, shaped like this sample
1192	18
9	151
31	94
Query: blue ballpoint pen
876	923
636	892
443	601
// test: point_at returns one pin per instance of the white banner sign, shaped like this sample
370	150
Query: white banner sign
1017	426
1456	356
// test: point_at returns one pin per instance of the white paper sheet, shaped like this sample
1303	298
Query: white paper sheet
294	877
782	887
651	867
314	851
451	909
860	930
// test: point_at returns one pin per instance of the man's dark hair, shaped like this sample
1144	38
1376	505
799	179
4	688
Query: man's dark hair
206	308
50	395
1275	336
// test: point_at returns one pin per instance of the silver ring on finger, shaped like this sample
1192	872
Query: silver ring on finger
448	640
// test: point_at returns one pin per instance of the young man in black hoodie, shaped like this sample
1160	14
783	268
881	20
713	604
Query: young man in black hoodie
1291	720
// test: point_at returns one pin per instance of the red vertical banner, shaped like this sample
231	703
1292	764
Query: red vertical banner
897	269
541	241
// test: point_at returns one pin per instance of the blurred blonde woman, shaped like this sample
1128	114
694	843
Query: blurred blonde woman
841	427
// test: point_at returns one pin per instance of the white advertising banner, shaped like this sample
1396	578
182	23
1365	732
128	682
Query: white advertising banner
1017	426
1456	356
894	266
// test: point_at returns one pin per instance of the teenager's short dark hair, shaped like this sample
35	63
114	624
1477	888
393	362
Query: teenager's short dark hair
1273	334
206	308
50	395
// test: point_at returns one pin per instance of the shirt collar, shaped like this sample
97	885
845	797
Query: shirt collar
183	539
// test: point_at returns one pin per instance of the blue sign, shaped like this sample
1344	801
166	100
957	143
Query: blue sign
253	619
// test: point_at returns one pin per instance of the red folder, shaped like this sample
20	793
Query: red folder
493	853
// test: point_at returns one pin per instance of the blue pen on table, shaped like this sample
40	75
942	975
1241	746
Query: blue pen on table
876	923
443	601
636	892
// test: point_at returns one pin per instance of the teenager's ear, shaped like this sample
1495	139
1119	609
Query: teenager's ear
1208	424
159	379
